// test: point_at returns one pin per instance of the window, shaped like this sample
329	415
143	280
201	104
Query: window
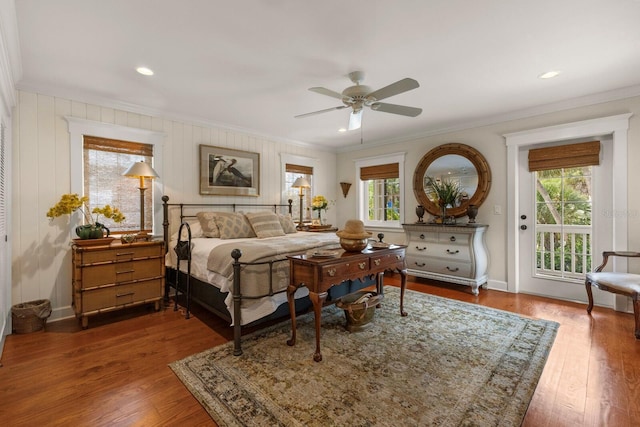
293	172
78	128
104	162
380	190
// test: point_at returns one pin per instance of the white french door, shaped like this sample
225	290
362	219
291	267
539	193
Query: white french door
610	215
559	239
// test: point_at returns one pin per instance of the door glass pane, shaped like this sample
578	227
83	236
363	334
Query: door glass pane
563	223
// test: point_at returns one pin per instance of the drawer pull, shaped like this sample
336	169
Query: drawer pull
331	272
398	257
453	269
124	253
452	238
422	236
376	261
453	252
124	295
125	271
362	265
421	264
421	249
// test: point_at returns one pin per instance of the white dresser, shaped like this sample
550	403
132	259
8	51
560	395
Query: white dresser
449	253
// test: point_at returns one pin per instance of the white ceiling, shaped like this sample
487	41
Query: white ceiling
249	64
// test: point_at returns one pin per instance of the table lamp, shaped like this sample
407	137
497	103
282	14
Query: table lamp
301	183
141	170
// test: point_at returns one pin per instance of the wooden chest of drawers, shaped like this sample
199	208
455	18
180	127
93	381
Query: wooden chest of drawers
450	253
107	278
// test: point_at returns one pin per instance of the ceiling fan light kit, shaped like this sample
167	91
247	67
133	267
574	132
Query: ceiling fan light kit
359	96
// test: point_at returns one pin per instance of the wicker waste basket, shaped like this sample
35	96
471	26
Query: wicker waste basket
359	309
30	316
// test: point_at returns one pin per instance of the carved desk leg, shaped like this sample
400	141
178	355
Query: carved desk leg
380	286
403	285
291	290
318	301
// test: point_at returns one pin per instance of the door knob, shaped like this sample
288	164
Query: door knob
523	227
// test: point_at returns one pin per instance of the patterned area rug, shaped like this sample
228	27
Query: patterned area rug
447	363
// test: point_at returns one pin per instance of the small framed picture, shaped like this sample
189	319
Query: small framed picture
316	222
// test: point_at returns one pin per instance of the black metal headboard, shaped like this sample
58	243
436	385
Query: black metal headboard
232	206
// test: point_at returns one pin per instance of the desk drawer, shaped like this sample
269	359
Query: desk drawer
387	261
354	268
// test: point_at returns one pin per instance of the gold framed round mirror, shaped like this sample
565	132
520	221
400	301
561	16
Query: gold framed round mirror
458	163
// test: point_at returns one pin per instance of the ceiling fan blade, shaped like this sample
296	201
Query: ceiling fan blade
393	89
355	120
340	107
402	110
328	92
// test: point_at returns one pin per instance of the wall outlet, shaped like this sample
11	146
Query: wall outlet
497	210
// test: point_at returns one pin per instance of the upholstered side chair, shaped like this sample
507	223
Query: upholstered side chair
618	283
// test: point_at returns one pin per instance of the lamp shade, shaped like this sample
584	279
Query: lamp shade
301	183
140	170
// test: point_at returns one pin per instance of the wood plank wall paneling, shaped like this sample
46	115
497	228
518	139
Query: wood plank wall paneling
41	266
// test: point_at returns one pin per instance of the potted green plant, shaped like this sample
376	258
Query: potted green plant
444	192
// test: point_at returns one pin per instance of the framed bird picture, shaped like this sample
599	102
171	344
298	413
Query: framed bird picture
228	172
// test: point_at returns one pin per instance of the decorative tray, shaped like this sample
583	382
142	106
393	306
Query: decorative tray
106	241
321	227
378	245
325	253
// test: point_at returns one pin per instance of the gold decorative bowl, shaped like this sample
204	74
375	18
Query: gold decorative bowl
353	245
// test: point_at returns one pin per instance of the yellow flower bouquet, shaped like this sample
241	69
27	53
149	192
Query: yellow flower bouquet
69	203
319	203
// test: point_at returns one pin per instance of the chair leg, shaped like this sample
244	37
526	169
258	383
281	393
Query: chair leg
636	314
587	284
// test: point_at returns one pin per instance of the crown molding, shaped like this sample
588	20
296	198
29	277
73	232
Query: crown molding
613	95
584	101
81	96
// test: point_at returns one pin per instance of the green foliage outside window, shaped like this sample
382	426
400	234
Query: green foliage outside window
384	199
563	197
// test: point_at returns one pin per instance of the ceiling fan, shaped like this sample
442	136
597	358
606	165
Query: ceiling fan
359	96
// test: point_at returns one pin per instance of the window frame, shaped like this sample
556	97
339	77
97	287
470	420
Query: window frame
362	207
309	162
80	127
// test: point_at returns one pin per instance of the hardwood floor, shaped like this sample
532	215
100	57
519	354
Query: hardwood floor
116	373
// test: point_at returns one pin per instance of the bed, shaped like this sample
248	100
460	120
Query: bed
239	271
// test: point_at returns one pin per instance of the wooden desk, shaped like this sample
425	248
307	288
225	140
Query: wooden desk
320	274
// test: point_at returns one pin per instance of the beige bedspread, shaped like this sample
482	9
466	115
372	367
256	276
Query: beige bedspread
254	278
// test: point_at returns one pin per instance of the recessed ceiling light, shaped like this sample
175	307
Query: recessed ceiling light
549	75
145	71
342	130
